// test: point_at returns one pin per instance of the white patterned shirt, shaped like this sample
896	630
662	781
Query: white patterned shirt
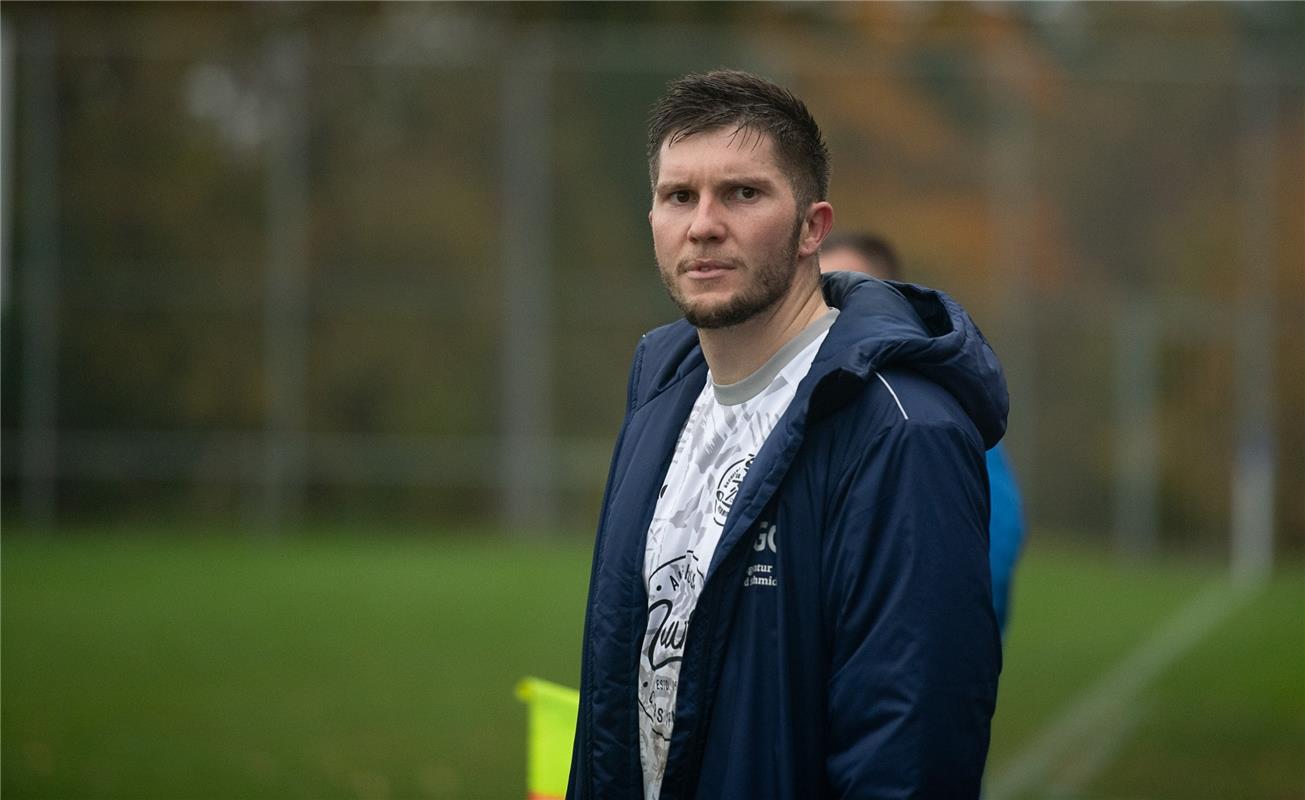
723	434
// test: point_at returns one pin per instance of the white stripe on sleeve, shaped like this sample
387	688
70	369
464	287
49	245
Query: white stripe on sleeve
894	394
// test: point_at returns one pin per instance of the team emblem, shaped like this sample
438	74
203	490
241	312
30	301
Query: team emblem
728	488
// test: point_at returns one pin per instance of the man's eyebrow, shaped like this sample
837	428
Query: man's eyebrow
738	179
744	179
669	185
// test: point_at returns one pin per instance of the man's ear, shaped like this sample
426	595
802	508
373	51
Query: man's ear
816	225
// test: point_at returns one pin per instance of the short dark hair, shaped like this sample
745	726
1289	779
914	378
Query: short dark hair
873	248
703	102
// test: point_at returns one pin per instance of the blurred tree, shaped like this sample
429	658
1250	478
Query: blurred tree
167	152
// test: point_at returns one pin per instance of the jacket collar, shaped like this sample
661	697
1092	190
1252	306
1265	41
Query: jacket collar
882	324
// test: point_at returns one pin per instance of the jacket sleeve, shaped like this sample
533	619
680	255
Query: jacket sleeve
914	650
581	781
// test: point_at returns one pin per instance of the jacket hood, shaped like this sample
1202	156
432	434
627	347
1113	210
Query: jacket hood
886	324
881	325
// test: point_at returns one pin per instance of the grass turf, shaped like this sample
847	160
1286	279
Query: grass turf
383	667
228	668
1228	720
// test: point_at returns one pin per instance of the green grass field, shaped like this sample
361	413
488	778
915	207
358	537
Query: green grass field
209	666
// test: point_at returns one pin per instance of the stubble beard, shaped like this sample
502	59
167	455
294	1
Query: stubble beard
770	281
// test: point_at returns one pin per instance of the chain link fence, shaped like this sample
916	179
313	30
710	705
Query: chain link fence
286	263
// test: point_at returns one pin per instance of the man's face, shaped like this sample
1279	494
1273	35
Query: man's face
725	226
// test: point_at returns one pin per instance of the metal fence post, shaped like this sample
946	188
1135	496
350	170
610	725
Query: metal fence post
41	274
1137	465
1012	195
285	313
1255	463
526	116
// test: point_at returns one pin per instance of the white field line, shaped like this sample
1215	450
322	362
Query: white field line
1104	708
1093	755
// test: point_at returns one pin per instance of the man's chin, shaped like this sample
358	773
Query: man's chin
724	314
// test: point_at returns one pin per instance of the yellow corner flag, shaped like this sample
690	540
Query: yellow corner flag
550	732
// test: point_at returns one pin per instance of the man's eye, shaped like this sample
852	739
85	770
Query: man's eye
745	193
682	196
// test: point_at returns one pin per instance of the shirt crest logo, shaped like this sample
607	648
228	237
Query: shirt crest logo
728	488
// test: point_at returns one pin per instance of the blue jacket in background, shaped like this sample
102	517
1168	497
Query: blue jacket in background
866	666
1005	530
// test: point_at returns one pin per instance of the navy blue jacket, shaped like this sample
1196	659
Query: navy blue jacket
868	666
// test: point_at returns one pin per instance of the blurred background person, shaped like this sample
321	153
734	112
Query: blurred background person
875	256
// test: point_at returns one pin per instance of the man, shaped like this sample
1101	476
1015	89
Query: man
873	255
790	594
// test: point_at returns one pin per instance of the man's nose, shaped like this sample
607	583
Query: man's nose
708	224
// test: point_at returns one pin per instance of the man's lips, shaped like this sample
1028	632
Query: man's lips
705	268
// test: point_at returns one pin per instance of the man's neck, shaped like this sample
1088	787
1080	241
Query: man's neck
736	352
